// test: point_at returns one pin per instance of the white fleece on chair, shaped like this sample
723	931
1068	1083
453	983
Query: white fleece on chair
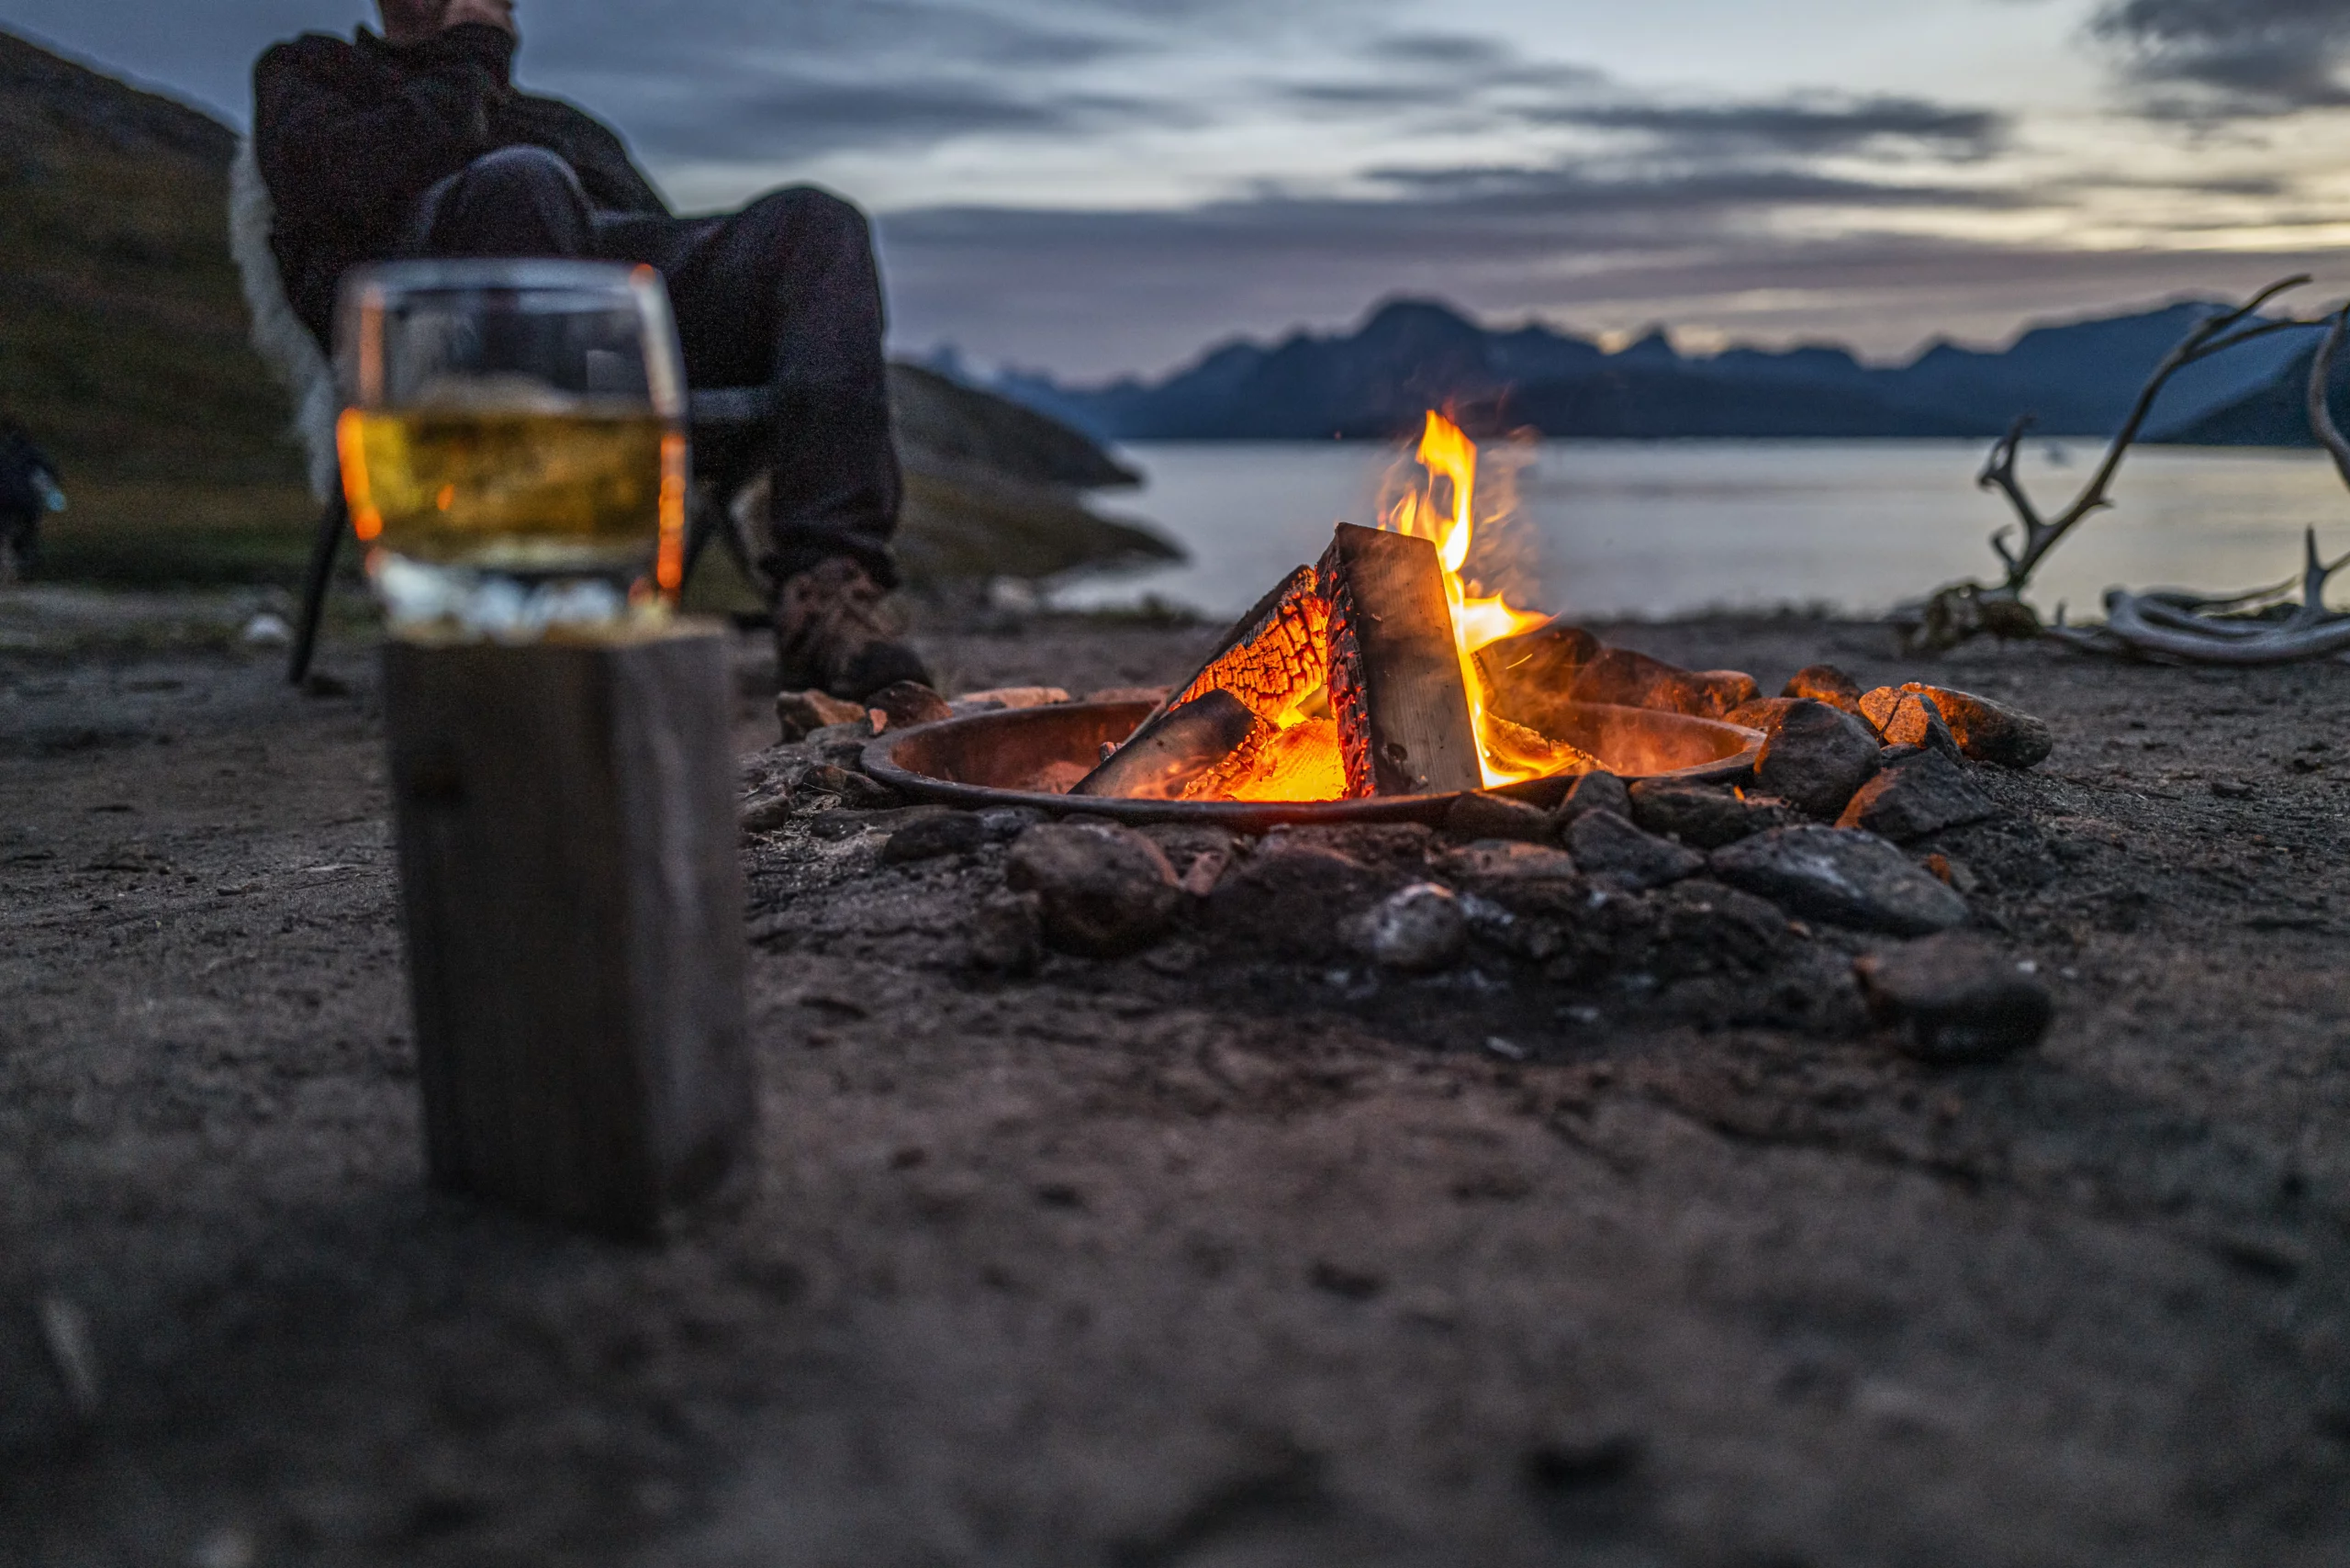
291	354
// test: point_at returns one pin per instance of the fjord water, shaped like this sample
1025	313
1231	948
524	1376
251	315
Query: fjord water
1652	529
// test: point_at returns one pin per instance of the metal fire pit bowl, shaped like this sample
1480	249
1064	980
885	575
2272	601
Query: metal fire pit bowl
994	759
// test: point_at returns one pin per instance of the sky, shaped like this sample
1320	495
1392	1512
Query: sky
1093	187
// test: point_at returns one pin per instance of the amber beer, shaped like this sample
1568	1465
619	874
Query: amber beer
579	491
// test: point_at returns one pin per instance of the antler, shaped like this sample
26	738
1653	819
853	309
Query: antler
2214	335
2329	434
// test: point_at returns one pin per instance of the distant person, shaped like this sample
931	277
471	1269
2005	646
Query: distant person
416	143
28	488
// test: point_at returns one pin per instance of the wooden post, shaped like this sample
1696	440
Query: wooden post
1396	681
573	908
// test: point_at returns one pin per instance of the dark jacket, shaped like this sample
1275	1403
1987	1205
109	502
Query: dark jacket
350	133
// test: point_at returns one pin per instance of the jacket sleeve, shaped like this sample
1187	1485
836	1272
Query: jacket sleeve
335	154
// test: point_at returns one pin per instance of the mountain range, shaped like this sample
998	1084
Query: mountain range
2078	378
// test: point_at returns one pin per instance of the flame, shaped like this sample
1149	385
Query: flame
1442	509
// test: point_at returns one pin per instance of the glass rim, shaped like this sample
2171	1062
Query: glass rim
471	274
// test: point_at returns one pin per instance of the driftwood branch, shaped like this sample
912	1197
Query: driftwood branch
2214	335
1959	612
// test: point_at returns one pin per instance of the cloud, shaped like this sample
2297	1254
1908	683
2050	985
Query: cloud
2202	58
1812	128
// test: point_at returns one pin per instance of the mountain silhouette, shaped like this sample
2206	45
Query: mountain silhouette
2078	378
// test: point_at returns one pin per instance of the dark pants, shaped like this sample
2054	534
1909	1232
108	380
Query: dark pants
784	292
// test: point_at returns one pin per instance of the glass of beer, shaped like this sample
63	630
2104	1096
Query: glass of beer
513	442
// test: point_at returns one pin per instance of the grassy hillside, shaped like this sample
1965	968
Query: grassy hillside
122	342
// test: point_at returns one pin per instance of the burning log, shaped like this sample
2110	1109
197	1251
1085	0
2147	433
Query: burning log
1635	680
1275	657
1396	686
1168	754
1301	763
1519	672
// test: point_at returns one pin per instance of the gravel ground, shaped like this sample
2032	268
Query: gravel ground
1190	1258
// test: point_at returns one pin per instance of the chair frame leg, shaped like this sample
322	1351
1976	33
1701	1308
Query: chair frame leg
333	523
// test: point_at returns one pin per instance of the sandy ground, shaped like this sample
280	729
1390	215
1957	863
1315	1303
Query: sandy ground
1173	1261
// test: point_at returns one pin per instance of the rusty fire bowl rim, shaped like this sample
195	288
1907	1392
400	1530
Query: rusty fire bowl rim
882	761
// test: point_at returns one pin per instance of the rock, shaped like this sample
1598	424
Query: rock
1594	792
1495	860
1764	713
950	833
1635	680
1825	683
906	703
802	713
1419	929
843	746
998	698
1399	847
1105	891
1481	815
1704	927
2232	789
1605	844
1150	694
1915	721
1005	823
1842	877
856	790
1292	900
1815	758
1956	999
1007	933
766	813
1985	730
1199	854
1924	793
1701	816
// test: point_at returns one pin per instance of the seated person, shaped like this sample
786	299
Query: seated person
416	143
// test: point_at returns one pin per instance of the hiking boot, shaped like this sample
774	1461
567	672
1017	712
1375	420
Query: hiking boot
831	632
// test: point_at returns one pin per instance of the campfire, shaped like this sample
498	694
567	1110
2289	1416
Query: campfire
1385	669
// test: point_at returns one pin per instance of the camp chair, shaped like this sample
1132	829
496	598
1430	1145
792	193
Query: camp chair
724	423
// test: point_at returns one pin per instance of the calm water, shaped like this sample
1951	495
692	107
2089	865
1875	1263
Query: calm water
1653	529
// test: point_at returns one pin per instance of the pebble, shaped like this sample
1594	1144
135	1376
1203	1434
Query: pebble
1008	933
1956	999
1815	758
1605	844
1421	930
2232	789
1922	794
950	833
1479	816
1843	877
1701	816
1105	891
1594	792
